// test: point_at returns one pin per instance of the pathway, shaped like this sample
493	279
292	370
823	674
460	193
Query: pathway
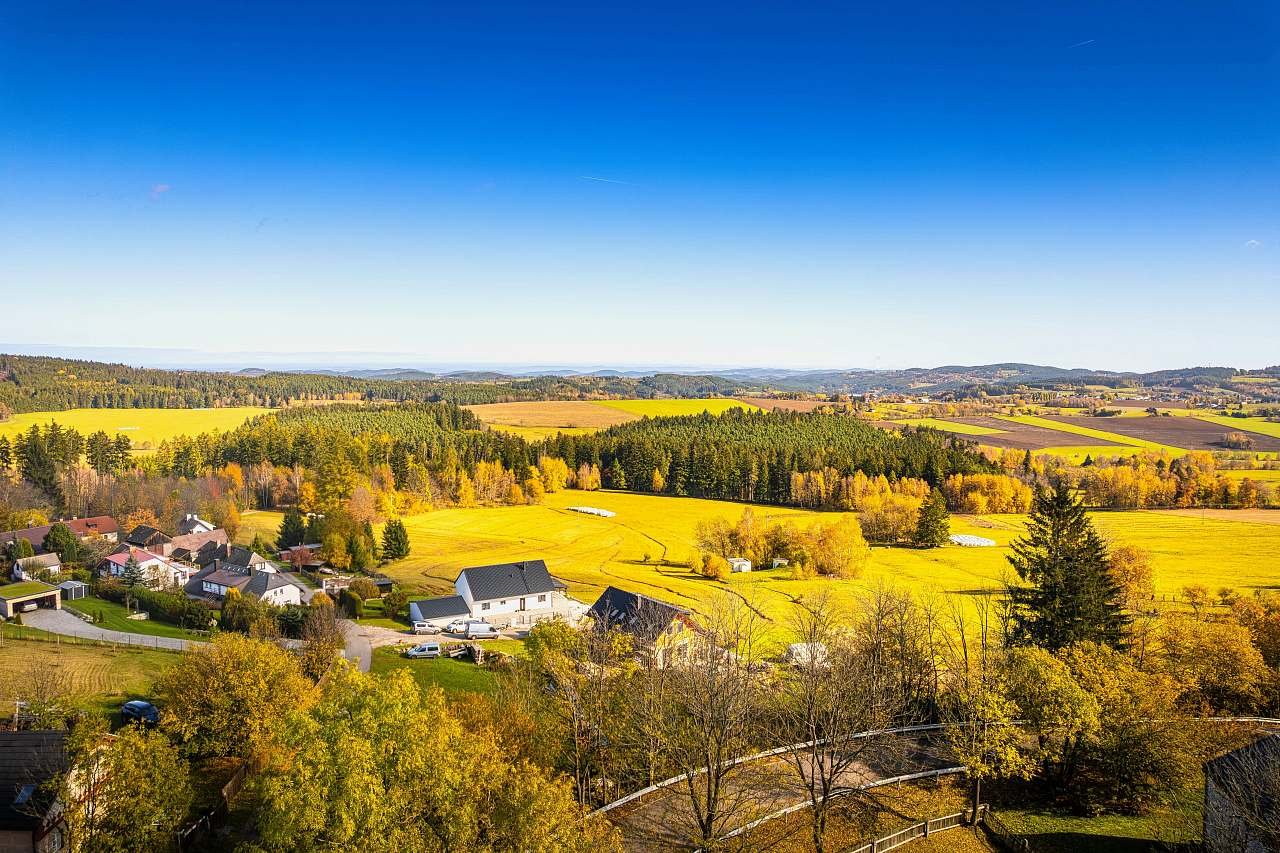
62	622
662	819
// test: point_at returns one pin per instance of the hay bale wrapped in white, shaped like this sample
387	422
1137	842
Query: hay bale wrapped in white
967	540
591	510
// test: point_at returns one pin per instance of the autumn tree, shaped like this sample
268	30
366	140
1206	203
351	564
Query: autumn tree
1132	571
125	792
225	699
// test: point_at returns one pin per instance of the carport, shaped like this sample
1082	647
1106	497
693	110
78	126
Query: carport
17	597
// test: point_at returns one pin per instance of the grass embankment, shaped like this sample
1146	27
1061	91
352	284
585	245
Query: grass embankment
1262	426
114	617
146	428
97	677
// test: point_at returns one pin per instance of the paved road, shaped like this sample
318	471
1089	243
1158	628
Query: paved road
662	820
305	588
62	622
359	649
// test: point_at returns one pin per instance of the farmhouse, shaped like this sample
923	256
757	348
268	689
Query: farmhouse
27	568
1242	799
656	628
84	529
160	571
30	816
20	597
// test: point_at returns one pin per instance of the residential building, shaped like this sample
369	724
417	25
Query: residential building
159	571
146	536
439	611
227	567
192	523
103	526
235	557
656	627
1242	799
187	546
504	595
30	816
28	568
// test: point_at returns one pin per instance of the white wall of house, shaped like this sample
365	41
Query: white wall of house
280	596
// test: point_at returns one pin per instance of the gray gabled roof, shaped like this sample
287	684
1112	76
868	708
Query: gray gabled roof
263	582
638	615
437	609
509	580
27	760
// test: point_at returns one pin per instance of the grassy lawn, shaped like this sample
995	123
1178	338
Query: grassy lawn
375	615
98	678
589	552
114	617
1061	833
451	676
146	428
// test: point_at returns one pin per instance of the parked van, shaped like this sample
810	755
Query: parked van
420	627
481	631
424	650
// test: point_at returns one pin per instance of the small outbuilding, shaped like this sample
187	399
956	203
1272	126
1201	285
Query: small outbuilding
29	595
739	564
73	590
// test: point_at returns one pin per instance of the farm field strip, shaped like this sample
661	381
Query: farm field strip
1098	434
146	428
1186	433
672	407
1260	426
951	426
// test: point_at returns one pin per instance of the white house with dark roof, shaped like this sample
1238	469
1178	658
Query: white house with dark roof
507	594
160	571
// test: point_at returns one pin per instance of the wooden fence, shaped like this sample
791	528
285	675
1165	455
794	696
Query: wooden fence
203	826
923	829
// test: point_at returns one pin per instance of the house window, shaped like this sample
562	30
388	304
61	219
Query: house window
484	605
503	601
542	598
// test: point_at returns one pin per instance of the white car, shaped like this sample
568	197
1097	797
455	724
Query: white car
459	626
420	627
424	650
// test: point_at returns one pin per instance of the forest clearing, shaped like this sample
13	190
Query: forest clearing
145	428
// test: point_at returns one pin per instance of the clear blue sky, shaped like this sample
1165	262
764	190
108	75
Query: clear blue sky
791	184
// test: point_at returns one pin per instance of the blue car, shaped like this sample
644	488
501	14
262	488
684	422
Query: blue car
137	711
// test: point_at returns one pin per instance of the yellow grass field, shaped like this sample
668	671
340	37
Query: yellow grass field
99	678
146	428
669	408
1076	453
1268	474
950	426
589	553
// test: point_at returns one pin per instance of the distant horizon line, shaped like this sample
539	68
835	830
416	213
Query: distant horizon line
184	358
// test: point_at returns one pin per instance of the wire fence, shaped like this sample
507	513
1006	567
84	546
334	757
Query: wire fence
91	637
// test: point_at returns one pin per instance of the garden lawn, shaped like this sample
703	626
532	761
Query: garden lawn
450	675
375	615
98	678
114	617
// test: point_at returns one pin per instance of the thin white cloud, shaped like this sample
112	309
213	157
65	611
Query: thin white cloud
1080	44
159	190
606	180
1252	244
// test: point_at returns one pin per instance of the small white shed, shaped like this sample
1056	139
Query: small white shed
739	564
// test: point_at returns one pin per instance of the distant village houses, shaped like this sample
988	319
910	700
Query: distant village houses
102	526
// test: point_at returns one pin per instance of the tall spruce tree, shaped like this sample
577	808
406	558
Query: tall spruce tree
1068	593
933	529
292	530
395	540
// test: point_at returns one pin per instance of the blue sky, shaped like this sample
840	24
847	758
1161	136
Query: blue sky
835	184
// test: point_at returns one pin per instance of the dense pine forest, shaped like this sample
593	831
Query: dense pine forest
41	384
752	456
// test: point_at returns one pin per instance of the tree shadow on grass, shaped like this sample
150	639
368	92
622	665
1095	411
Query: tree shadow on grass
1080	842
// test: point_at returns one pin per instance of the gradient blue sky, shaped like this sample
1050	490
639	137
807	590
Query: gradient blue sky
790	184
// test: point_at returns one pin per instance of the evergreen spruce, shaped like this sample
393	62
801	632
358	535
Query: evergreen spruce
1069	594
61	541
395	540
933	529
293	530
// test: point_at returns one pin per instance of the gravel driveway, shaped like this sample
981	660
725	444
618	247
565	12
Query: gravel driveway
62	622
